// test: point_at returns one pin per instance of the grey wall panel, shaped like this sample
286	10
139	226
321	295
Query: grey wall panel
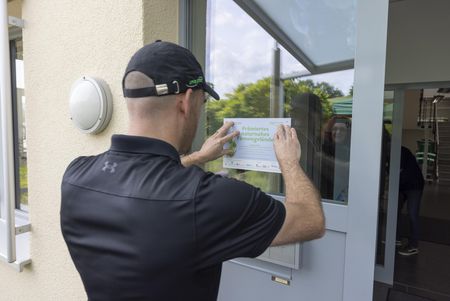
320	277
418	44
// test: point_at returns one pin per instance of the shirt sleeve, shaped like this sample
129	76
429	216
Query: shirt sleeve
233	219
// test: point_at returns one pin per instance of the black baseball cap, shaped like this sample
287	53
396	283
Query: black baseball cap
173	69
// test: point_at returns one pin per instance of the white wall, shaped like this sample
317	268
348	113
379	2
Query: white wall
418	51
418	46
64	40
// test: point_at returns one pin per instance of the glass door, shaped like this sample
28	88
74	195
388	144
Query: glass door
340	132
389	185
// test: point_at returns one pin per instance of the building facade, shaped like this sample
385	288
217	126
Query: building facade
61	41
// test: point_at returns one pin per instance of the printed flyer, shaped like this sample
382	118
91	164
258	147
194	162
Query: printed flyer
253	148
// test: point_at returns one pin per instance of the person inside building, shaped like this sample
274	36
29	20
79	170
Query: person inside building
141	223
410	192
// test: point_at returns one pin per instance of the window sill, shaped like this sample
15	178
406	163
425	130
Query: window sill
22	243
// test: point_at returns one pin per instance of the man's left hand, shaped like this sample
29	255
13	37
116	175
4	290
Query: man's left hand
213	146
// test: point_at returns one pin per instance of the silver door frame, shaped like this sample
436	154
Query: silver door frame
385	273
365	153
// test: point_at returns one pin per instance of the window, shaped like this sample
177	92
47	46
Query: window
15	226
257	77
19	123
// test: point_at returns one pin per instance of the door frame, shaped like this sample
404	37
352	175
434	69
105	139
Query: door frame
385	273
365	152
359	218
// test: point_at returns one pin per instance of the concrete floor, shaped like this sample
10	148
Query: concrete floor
425	276
436	202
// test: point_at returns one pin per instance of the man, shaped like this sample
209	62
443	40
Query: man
410	191
142	224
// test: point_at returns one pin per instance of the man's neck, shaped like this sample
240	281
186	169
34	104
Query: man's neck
156	132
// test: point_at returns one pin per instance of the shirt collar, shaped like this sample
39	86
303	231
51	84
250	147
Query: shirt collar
143	145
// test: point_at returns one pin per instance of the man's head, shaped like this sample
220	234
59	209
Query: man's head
173	69
165	89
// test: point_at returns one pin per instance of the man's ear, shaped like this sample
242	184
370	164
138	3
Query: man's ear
185	102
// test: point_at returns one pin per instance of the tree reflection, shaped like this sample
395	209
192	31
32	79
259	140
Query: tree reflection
323	134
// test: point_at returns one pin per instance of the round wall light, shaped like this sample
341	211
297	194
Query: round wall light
90	105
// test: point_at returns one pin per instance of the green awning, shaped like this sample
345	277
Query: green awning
342	106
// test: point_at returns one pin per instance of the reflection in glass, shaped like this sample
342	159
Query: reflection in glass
306	114
317	26
336	157
325	137
320	106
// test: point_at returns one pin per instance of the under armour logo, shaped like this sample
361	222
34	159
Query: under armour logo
111	167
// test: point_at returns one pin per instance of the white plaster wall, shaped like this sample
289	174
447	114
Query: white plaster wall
160	20
418	46
63	40
15	8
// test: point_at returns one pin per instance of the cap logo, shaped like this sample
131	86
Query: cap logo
194	82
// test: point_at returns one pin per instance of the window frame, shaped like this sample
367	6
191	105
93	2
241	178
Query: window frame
193	22
336	212
14	223
192	35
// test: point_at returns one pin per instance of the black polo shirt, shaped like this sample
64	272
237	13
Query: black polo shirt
140	226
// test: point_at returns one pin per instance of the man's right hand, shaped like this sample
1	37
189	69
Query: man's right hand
287	147
304	216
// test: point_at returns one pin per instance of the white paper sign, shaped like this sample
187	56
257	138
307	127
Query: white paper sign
254	145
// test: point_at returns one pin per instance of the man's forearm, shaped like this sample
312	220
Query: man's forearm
304	216
299	188
304	199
